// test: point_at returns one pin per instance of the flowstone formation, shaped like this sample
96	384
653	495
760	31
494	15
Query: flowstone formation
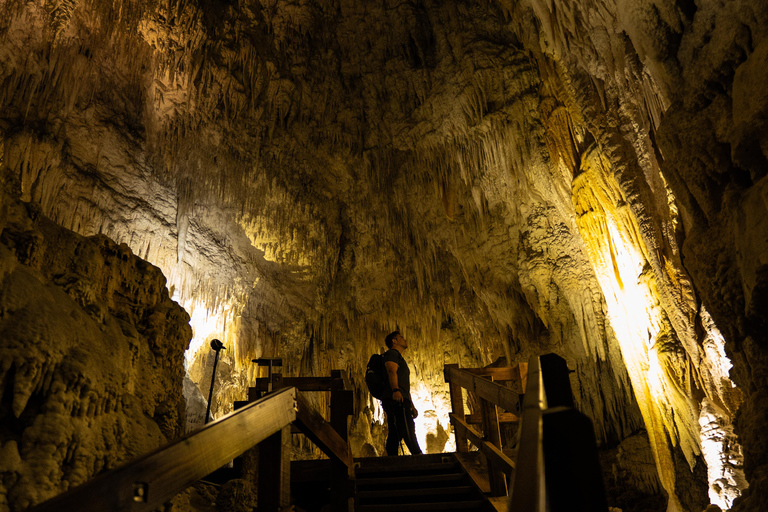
90	360
502	178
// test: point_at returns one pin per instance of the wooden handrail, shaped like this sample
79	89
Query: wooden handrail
557	463
314	426
483	382
329	436
502	373
528	492
495	393
146	483
489	449
504	417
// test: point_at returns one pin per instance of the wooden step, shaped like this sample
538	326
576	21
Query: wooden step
370	472
419	492
416	483
405	461
473	505
414	480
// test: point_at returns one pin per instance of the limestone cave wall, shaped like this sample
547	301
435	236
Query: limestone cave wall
91	360
493	178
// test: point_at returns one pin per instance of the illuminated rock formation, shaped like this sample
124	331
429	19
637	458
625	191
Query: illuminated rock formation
494	178
91	358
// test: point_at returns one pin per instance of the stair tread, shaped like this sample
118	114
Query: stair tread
421	491
439	466
415	479
404	507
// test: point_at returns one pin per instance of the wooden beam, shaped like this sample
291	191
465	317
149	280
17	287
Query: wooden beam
274	492
499	374
457	404
342	407
498	457
496	476
148	482
529	488
300	383
493	453
493	392
516	373
314	426
504	417
342	374
342	476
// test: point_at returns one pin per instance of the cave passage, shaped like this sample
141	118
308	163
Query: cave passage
497	180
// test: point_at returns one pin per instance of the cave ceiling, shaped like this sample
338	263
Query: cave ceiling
494	178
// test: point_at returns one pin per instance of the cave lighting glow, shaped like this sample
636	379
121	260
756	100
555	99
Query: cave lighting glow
206	323
719	447
658	365
434	408
726	479
636	318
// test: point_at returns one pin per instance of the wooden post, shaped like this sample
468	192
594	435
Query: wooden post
457	404
275	471
342	477
492	434
277	382
522	368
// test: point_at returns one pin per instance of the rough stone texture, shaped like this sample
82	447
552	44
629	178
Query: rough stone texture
630	476
90	361
495	178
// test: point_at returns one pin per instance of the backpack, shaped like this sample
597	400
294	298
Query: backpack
374	376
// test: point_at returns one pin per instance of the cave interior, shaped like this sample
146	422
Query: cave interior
496	179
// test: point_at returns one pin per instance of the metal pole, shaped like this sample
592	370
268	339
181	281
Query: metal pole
217	346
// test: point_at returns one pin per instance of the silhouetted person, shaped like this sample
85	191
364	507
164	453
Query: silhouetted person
396	400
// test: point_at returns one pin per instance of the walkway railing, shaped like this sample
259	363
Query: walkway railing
330	437
148	482
557	463
557	468
484	382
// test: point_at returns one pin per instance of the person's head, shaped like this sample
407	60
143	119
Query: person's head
396	340
390	338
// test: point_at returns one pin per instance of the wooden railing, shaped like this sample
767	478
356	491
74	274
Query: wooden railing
484	382
330	437
148	482
557	464
145	484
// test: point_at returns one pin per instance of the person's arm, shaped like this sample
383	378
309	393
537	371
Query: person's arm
391	367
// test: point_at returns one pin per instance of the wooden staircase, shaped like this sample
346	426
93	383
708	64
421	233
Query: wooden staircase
557	465
415	483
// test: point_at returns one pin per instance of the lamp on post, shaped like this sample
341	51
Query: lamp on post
218	346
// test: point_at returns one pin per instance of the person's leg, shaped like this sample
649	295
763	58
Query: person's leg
410	432
393	436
